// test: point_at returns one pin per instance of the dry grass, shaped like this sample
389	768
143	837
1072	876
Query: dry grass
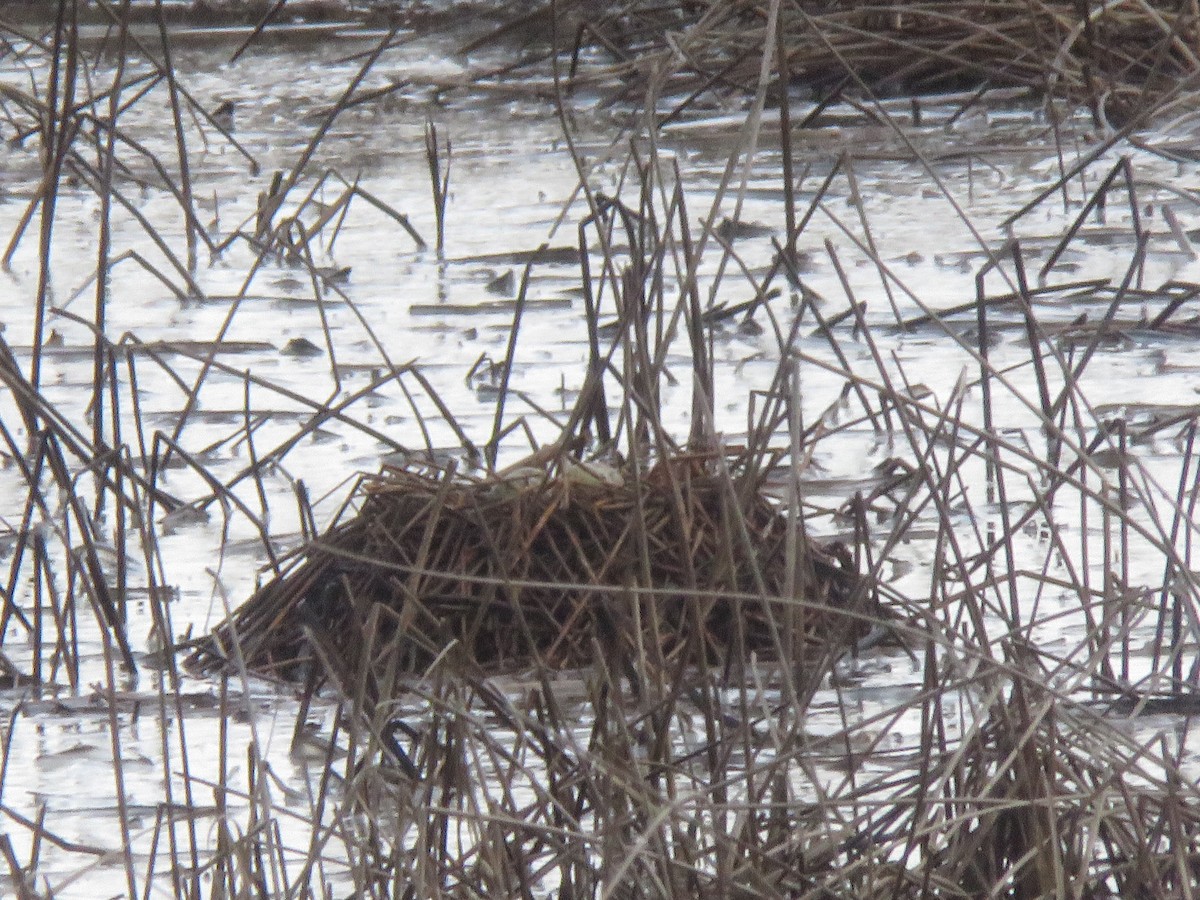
1119	59
676	568
624	667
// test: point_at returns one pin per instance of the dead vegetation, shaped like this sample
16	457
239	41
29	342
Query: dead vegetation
1119	59
594	652
666	571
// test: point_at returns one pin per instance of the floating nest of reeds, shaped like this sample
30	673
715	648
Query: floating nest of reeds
682	566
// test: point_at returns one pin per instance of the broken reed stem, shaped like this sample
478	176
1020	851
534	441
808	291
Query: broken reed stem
56	138
185	178
104	240
439	182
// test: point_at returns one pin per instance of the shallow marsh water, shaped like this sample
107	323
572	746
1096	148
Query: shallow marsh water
512	188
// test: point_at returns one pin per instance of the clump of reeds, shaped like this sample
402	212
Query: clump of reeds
1117	58
681	565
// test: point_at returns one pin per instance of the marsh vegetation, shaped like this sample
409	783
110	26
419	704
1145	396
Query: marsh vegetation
666	450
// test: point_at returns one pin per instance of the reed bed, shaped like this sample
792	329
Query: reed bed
614	650
1118	59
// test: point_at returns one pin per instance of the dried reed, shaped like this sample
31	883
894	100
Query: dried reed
627	667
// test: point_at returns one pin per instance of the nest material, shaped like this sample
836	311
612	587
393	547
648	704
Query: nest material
681	567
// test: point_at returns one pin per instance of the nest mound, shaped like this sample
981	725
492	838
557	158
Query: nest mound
679	567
